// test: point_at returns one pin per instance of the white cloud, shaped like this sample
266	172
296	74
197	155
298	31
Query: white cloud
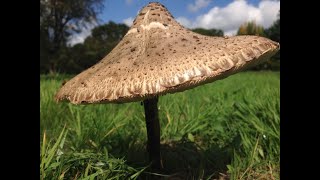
230	17
184	21
85	32
270	10
198	4
129	1
128	21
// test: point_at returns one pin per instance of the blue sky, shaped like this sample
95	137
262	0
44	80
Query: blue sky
226	15
118	10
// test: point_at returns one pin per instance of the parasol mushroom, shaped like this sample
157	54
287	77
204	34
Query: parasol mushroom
159	56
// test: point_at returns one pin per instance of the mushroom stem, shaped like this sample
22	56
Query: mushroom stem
153	131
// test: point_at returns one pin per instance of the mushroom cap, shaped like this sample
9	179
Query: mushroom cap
159	56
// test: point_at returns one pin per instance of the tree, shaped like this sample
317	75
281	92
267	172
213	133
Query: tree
44	51
58	20
102	40
208	32
251	28
81	56
273	32
105	37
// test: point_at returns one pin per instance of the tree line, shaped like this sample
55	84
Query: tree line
59	19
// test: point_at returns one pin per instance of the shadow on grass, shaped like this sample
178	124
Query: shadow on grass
181	160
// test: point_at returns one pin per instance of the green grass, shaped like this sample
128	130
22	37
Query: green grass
228	129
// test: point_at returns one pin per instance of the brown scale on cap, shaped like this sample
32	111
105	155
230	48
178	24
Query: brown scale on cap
159	56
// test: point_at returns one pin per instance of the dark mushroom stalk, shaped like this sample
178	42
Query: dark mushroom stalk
153	131
159	56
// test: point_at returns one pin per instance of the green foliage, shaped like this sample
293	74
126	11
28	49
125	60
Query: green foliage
228	128
48	165
82	56
251	28
57	164
259	131
208	32
273	32
58	20
103	39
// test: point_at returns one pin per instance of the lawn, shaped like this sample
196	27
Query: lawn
228	129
